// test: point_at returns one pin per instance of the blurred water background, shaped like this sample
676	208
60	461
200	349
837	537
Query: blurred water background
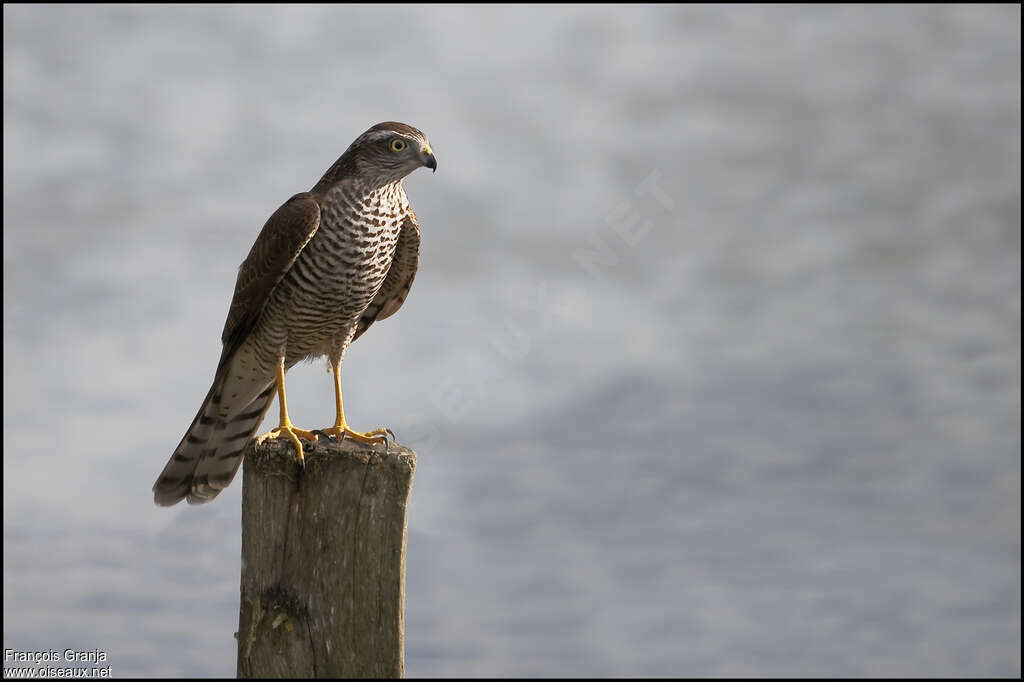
712	363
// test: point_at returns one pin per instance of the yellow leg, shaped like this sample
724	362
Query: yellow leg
341	429
286	428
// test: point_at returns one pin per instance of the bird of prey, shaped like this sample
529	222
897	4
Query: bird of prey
327	265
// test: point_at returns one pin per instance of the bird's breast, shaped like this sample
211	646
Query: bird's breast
351	252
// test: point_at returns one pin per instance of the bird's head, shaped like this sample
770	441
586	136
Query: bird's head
389	151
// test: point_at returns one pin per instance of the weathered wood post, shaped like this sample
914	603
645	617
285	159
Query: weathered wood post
323	560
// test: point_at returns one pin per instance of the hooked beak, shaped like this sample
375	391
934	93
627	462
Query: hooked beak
428	158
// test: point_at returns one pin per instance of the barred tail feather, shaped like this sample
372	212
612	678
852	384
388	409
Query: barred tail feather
216	468
209	454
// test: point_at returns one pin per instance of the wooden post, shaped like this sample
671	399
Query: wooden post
323	560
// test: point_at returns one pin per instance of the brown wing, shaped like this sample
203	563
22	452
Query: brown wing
396	285
283	237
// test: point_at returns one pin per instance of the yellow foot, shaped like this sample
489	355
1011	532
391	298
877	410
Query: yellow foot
292	434
370	437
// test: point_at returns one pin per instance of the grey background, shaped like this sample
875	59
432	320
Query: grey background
712	363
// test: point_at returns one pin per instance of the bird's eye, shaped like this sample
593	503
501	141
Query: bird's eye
397	145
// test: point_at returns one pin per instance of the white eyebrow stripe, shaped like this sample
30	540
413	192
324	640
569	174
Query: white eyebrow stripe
381	134
384	134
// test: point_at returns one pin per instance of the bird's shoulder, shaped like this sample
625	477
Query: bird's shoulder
284	234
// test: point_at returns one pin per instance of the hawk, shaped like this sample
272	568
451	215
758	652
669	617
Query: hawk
328	264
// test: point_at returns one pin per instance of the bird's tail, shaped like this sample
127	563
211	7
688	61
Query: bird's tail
211	450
